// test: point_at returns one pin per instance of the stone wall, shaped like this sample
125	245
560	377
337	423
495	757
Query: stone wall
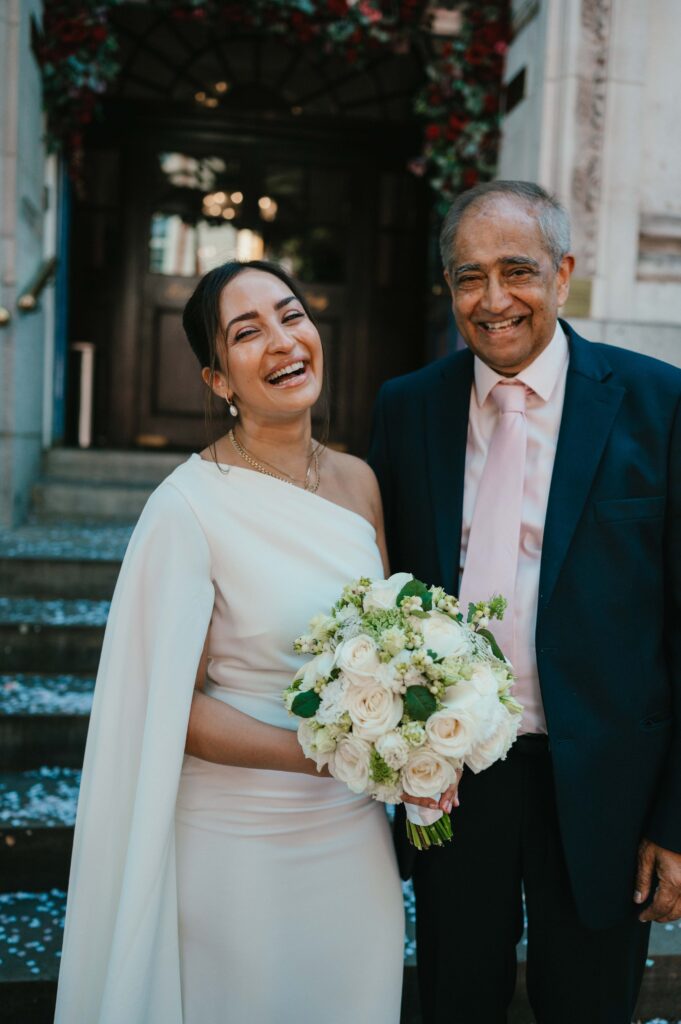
597	126
21	252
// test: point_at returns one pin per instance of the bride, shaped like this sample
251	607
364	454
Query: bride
216	877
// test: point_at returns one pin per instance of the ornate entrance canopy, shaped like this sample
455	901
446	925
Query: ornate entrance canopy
349	59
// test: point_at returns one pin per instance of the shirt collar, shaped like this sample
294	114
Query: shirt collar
541	376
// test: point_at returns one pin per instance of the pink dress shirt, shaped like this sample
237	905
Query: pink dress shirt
545	378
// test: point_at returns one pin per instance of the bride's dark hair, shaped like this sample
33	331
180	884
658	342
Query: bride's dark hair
201	319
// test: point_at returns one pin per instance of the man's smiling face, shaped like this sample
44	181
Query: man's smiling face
505	287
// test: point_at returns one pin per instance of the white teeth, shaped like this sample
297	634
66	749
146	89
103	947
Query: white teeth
291	368
501	324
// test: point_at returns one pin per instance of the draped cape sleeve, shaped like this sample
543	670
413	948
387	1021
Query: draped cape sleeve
120	960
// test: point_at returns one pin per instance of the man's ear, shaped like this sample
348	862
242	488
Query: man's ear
563	274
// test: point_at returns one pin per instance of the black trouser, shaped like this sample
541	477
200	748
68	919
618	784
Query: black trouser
469	911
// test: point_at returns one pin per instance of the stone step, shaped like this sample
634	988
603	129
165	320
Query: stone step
37	814
53	500
104	465
51	635
69	541
43	719
43	577
62	560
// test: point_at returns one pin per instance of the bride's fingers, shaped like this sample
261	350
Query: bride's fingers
422	801
450	797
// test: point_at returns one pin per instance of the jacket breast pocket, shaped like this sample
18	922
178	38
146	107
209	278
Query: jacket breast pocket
620	509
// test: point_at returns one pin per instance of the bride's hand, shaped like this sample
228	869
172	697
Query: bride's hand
448	799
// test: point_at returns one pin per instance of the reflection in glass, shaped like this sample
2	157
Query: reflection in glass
186	250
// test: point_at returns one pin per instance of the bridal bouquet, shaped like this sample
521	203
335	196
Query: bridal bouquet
402	692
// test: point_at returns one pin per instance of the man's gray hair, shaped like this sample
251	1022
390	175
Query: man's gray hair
552	217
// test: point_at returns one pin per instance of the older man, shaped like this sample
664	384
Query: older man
546	467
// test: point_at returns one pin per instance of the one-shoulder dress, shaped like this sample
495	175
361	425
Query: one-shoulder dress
209	894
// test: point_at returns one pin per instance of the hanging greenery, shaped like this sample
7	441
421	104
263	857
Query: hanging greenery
78	54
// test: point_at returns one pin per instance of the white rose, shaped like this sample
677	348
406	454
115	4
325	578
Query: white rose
315	669
383	594
496	746
452	731
481	712
426	773
394	749
307	737
374	710
443	635
358	659
349	763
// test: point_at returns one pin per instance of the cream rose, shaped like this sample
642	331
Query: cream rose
426	773
481	711
394	749
496	746
315	669
373	708
383	594
358	659
444	636
349	763
452	731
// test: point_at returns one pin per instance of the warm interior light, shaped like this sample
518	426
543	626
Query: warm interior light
237	197
268	208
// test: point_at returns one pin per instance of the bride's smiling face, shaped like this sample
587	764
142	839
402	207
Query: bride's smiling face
270	349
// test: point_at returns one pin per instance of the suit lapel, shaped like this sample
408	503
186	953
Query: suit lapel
591	404
446	433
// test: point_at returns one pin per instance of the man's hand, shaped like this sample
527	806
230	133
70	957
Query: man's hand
448	799
654	859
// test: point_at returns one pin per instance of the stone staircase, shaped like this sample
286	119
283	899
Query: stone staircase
89	485
56	579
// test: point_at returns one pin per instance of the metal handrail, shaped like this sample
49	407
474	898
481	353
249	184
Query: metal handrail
28	300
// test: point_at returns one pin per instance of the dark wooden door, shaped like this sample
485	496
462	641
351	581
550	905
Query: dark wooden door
348	222
197	212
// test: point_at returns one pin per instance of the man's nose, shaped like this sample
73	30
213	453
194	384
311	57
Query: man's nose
497	297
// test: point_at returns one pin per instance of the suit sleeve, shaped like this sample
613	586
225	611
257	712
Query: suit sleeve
380	461
665	823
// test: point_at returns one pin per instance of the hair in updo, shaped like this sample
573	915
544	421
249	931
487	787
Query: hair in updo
201	317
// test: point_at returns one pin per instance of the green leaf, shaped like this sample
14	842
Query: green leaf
496	649
471	612
305	704
419	703
414	588
435	656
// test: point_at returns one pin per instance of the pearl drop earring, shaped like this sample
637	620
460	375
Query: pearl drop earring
233	411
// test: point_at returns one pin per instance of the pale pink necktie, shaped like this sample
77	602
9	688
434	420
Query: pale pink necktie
492	556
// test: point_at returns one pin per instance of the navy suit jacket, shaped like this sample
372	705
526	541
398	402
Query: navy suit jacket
609	614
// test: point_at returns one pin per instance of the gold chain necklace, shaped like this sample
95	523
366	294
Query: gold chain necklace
281	474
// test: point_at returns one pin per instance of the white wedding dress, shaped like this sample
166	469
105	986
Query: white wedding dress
205	894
